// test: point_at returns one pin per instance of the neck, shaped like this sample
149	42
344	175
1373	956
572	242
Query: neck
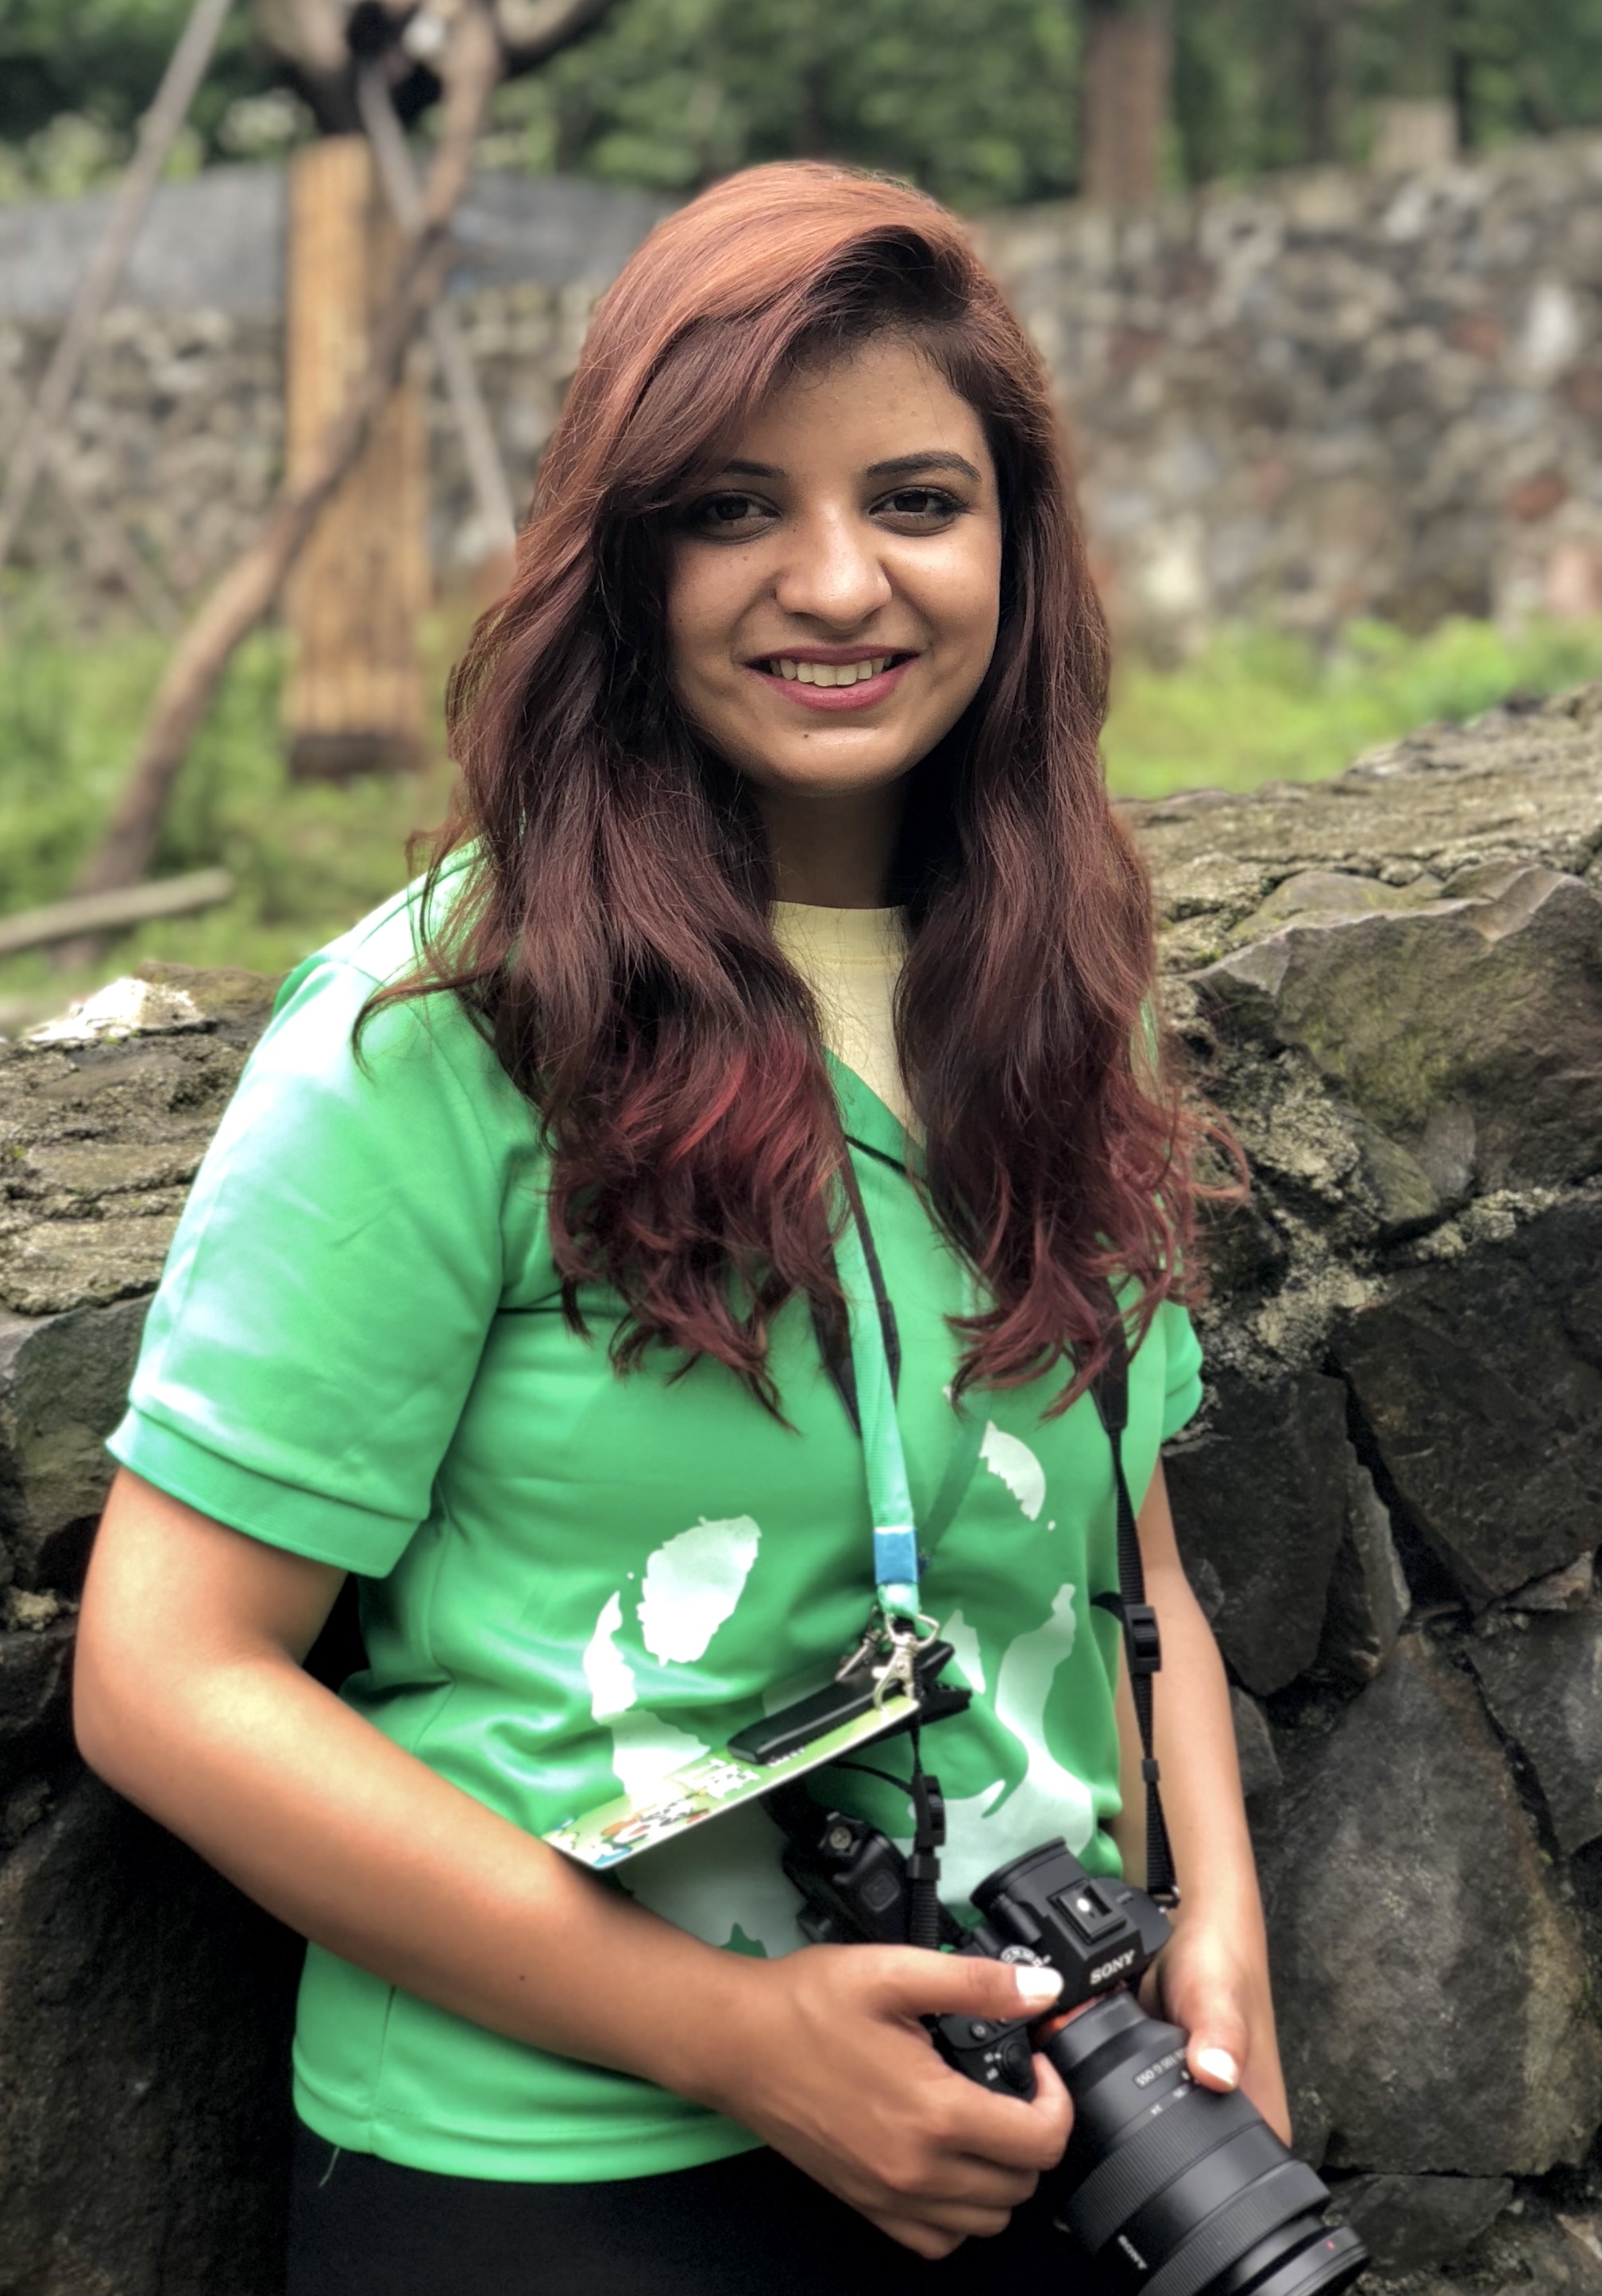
832	850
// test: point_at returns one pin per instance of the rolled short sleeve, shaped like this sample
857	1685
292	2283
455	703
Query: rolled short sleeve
1182	1392
338	1265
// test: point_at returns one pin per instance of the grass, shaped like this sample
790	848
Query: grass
310	860
1258	706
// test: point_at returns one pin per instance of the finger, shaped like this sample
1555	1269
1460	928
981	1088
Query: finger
943	2226
923	2239
1008	2133
1217	2048
1053	2105
912	1983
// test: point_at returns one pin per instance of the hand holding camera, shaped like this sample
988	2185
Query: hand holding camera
834	2069
1173	2189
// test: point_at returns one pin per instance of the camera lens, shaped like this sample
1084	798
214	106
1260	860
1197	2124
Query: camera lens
1179	2191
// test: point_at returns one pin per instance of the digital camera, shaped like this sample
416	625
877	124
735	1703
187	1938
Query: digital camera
1174	2190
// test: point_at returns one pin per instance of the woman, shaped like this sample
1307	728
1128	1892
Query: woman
511	1284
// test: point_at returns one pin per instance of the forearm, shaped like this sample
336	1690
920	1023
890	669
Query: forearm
191	1699
1194	1731
1214	1978
359	1846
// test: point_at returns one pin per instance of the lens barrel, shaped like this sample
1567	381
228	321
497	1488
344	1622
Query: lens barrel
1179	2191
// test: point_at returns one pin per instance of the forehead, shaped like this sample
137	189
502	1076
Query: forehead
870	402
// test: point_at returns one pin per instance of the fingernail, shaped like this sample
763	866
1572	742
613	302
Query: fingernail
1036	1985
1221	2064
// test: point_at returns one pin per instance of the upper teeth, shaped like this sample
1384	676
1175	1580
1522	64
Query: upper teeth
829	673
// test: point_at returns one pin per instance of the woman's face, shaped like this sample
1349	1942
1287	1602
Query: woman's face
832	600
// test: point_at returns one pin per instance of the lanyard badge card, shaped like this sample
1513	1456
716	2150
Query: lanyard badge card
886	1683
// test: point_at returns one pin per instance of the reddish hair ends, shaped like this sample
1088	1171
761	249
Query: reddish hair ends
613	932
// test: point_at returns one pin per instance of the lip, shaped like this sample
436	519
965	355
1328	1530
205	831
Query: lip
863	695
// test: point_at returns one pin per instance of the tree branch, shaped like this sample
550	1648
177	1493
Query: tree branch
471	69
532	32
498	516
158	133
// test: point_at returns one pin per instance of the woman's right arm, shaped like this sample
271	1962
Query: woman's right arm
191	1699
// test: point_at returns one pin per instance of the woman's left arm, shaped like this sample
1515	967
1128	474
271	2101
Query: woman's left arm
1214	1978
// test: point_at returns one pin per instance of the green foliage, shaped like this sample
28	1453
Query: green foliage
974	99
1258	85
310	859
75	76
1261	706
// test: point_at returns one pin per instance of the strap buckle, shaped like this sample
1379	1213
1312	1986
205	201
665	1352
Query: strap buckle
1142	1638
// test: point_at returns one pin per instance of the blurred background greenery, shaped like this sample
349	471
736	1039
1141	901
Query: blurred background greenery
978	101
974	99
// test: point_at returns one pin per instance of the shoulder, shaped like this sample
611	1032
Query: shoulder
327	1024
381	949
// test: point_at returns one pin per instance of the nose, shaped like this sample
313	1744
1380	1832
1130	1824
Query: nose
833	573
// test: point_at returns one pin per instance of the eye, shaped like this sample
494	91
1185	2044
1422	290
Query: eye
920	507
727	514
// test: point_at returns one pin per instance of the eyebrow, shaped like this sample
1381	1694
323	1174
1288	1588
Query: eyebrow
899	466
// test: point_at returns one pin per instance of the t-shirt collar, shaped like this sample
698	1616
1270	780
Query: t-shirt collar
865	1118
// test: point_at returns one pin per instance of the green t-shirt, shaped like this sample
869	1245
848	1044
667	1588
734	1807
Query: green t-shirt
571	1581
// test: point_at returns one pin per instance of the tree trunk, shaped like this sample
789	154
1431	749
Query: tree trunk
1126	103
353	701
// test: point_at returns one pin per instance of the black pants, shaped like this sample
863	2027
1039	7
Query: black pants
750	2226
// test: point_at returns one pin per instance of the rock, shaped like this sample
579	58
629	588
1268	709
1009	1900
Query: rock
1326	893
1543	1679
62	1382
225	996
1464	1031
122	1009
100	1140
1482	1390
1572	1588
35	1725
1432	1989
1259	1763
1368	1598
1535	2251
145	2013
1259	1495
1408	2223
1513	788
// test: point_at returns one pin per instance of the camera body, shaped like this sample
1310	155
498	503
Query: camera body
1044	1908
1172	2189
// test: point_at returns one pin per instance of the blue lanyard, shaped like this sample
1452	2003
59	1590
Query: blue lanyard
889	1495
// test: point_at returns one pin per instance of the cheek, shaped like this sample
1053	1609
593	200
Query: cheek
700	609
969	606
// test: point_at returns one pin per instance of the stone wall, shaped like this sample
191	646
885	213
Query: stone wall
1392	984
1314	397
1330	394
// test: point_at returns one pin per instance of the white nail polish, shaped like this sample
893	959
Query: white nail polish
1221	2064
1036	1986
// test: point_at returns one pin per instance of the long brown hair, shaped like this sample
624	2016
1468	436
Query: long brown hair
611	930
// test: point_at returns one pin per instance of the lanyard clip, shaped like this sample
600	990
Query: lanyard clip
903	1641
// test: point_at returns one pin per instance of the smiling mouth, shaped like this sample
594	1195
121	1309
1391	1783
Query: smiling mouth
830	673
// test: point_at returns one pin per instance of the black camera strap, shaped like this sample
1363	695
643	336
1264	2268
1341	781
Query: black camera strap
1142	1643
1110	1392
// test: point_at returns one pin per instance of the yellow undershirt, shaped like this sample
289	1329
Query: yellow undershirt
850	958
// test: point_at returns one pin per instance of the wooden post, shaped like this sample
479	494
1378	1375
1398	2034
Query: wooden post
354	700
1125	101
